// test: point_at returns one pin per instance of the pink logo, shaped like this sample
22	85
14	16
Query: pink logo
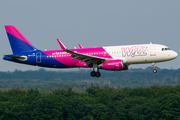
134	51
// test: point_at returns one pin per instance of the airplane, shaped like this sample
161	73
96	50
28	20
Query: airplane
113	58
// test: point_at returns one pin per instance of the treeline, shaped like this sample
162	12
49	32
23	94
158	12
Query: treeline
80	80
95	103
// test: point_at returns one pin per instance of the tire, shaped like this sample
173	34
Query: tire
93	74
98	74
154	71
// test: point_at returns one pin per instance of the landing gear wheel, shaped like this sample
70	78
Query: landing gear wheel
98	74
154	71
93	73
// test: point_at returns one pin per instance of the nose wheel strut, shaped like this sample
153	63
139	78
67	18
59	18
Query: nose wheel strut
154	69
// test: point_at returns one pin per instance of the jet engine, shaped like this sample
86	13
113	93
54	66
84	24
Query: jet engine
113	65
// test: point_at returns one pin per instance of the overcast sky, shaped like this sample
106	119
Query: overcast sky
91	23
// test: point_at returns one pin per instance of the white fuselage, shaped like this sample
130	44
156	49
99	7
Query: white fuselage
140	54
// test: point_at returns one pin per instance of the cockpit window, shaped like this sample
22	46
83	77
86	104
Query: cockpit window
164	49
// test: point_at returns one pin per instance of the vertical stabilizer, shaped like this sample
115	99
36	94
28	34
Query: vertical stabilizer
17	41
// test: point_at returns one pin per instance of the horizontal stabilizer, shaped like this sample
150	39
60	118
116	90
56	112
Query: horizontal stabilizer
17	57
61	44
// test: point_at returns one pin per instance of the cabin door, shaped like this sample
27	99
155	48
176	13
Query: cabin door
153	50
38	57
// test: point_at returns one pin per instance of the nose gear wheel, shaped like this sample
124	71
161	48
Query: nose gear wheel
154	69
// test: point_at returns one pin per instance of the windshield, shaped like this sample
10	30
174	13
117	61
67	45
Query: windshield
164	49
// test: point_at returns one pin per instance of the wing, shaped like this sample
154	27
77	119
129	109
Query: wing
88	59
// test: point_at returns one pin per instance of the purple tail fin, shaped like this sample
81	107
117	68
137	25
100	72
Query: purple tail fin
17	41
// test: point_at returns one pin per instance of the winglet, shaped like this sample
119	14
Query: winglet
61	44
80	45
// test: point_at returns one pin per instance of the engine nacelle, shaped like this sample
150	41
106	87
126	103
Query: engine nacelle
114	65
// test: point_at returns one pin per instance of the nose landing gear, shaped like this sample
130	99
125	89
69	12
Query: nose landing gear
154	70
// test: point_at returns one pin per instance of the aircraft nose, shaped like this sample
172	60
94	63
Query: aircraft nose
174	54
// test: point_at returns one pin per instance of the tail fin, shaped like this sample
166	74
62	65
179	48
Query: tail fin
18	42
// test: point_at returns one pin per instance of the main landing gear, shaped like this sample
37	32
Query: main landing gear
154	70
95	74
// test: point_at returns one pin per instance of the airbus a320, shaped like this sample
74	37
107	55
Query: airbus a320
113	58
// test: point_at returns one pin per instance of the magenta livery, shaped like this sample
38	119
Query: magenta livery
114	58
